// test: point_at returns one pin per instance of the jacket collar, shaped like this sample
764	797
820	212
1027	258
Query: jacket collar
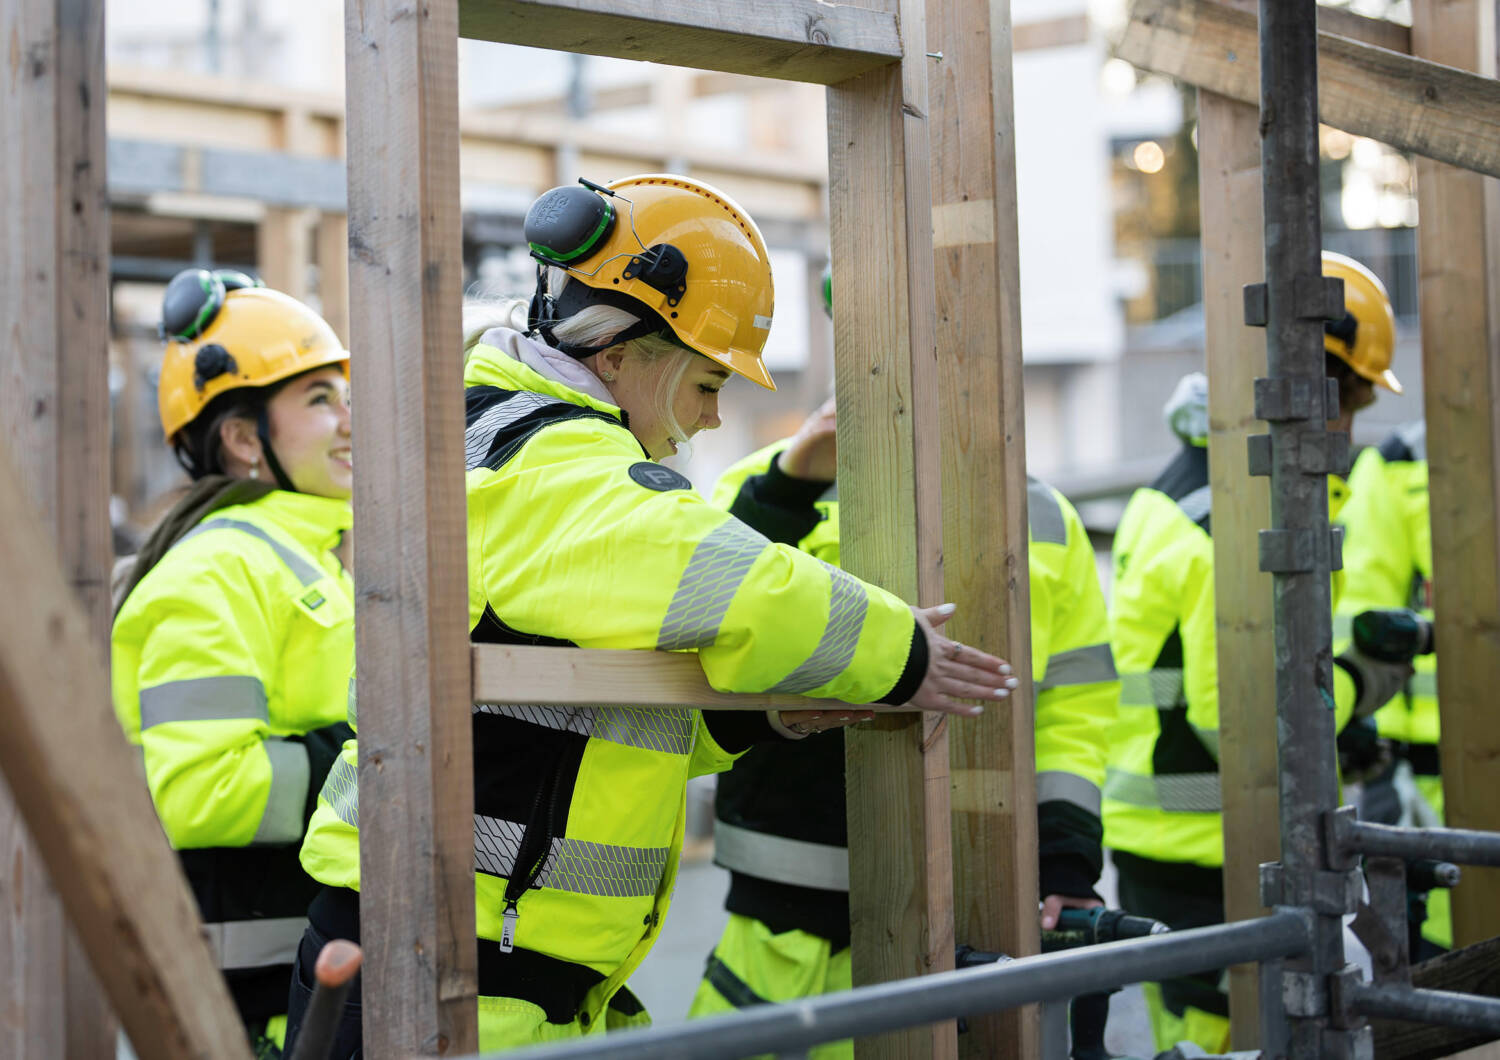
509	360
315	523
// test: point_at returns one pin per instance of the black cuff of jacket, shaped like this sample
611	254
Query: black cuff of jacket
1069	875
913	674
1354	676
779	506
739	730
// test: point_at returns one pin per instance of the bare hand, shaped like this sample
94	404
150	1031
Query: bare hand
813	453
1054	904
957	671
810	721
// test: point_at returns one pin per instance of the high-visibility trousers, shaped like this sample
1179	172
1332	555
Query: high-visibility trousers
752	965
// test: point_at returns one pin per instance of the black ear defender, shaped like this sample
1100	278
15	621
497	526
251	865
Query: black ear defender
210	362
569	223
192	300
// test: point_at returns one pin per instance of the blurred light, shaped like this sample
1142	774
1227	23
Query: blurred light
1336	143
1359	202
1193	135
1117	77
1148	156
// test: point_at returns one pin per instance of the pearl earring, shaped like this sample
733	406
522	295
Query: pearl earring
255	470
608	377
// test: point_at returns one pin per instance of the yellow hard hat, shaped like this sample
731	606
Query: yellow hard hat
223	334
1365	339
676	247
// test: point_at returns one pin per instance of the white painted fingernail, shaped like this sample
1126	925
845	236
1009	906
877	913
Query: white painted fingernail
1001	693
1005	668
1011	682
947	609
974	712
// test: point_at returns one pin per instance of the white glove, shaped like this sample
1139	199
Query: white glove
1376	682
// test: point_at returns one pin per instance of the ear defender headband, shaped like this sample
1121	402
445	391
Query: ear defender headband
566	227
194	298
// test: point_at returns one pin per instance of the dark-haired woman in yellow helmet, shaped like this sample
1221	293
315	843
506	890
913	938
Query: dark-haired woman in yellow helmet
234	642
653	292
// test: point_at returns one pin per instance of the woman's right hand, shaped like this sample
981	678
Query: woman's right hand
957	671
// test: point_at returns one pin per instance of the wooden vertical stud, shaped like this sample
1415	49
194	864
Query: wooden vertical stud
977	259
1229	184
333	272
283	250
54	408
416	774
890	487
1458	232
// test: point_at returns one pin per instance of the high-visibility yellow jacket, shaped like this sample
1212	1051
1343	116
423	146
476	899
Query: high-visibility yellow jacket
231	661
1388	563
577	538
781	822
1161	795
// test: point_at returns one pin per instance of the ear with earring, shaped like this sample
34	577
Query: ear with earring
607	376
255	469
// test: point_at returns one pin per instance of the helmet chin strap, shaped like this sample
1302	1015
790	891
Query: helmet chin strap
263	431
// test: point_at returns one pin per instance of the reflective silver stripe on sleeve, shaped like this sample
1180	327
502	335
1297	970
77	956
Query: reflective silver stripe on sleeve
1209	738
479	435
255	943
1198	504
667	731
572	865
230	697
1080	666
1160	688
1044	515
352	714
1177	793
782	860
290	775
304	571
1343	627
1057	786
341	789
847	604
1424	683
713	575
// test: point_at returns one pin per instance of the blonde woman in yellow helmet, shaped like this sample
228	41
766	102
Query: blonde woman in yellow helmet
233	645
652	293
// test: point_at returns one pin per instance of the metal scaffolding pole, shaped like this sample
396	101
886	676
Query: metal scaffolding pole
1299	550
1464	846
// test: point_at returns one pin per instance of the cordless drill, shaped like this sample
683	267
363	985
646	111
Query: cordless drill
1087	927
1393	635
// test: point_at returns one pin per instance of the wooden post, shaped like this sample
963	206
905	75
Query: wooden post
900	900
415	770
1460	292
283	250
54	407
333	272
1229	184
82	792
984	485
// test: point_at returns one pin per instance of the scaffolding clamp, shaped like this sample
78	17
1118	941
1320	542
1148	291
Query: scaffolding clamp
1283	398
1323	300
1295	551
1315	452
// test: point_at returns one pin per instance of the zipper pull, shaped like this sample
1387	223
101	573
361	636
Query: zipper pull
508	932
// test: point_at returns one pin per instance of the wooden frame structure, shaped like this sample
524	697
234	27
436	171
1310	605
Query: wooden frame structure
417	871
1449	117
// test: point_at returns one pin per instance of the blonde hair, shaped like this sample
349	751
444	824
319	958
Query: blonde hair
592	325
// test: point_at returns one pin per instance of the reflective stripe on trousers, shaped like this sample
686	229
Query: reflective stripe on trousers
782	860
255	943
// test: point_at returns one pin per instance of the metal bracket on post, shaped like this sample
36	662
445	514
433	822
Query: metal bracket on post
1322	301
1338	826
1290	551
1314	452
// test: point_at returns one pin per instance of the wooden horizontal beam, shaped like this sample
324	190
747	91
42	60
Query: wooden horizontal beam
1426	108
584	677
793	40
1340	21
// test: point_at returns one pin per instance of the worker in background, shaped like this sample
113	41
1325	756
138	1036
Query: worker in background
233	645
1162	811
653	293
781	828
1388	560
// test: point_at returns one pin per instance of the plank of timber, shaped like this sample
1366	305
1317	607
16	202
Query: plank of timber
54	407
1342	22
587	677
795	40
890	478
984	486
333	272
1414	104
1229	188
82	793
415	773
1472	970
283	249
1460	313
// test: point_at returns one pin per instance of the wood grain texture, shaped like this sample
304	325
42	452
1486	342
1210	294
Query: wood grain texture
587	677
333	272
795	40
82	793
1342	22
283	249
1460	313
889	485
1472	970
1414	104
54	409
415	773
1229	183
984	487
